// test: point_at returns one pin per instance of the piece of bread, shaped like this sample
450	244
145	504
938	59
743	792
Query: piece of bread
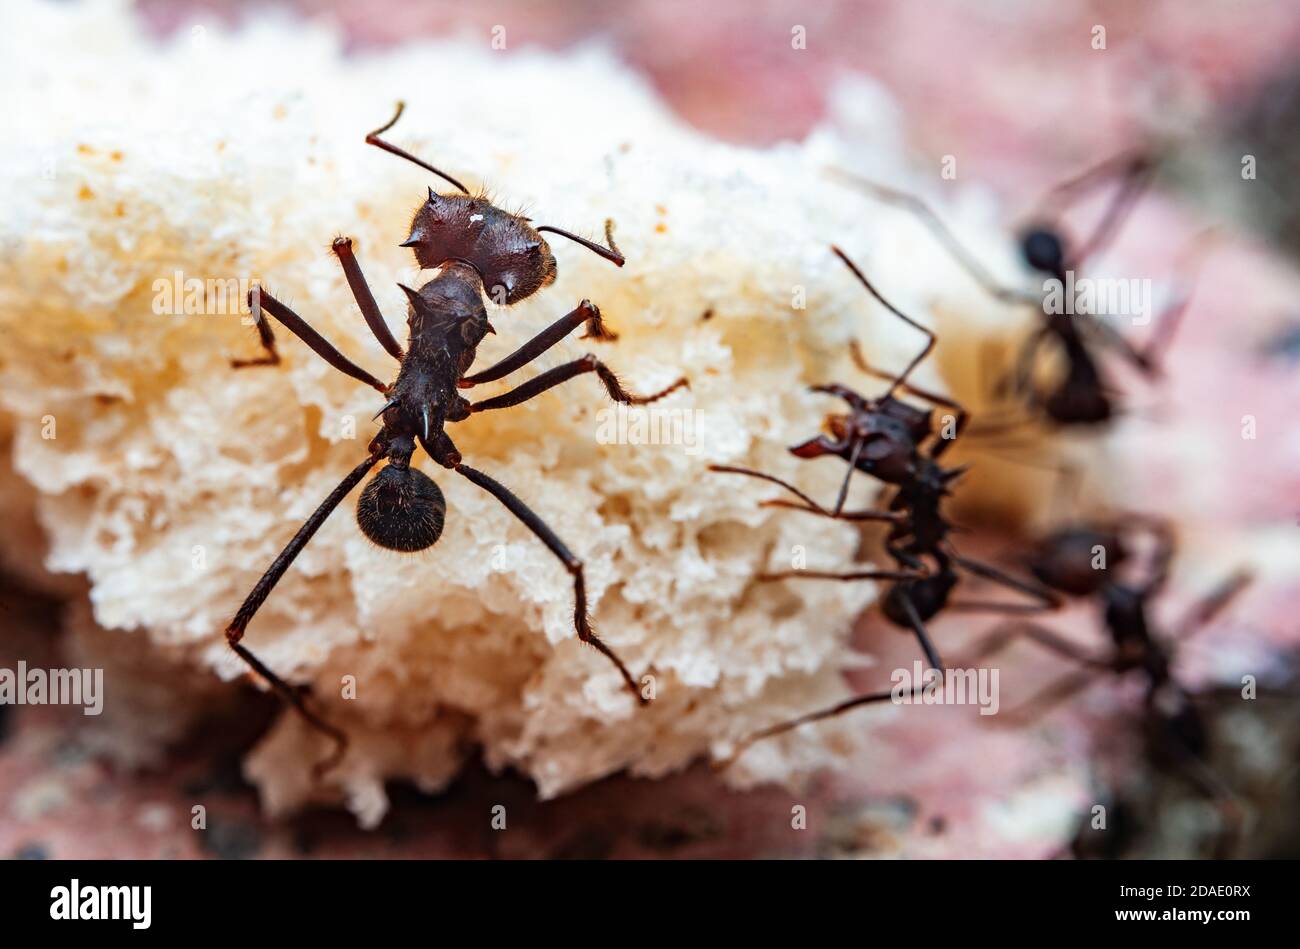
171	480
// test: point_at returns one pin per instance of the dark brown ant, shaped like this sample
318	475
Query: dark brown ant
1081	397
1085	561
896	443
476	247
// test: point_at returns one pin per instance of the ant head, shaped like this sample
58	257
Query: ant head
401	508
511	257
1077	560
1043	249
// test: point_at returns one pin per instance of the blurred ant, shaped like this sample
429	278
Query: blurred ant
1081	396
476	247
896	443
1083	561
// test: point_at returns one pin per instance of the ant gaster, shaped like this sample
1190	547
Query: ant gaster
1088	561
1081	396
897	444
476	248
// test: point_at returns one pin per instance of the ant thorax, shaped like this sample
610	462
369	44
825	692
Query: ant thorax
447	321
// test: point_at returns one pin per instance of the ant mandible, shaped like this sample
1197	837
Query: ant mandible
897	444
475	246
1081	397
1085	561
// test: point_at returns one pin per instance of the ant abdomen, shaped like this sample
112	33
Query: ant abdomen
513	260
1077	560
402	508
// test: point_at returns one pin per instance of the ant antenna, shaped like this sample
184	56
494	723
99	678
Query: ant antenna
374	139
610	253
930	341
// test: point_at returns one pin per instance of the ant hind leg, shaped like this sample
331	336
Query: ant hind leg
262	589
267	338
581	620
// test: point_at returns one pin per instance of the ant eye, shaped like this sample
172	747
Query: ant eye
401	509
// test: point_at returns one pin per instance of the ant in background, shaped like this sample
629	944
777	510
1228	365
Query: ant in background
476	247
897	444
1080	397
1084	561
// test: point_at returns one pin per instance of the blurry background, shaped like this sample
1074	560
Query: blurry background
1017	92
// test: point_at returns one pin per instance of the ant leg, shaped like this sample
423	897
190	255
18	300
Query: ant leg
809	505
294	698
842	392
1006	633
1062	689
1213	604
259	593
930	338
869	698
1202	777
922	636
259	300
892	517
586	312
581	621
1065	192
1146	358
935	225
342	248
849	576
1021	378
561	374
749	472
267	337
1137	173
1068	480
1048	600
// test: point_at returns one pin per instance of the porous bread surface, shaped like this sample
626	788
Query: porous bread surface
171	480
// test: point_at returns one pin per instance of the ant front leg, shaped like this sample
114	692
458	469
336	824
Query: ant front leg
586	312
1214	603
809	505
253	602
259	300
561	374
267	337
581	621
342	248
